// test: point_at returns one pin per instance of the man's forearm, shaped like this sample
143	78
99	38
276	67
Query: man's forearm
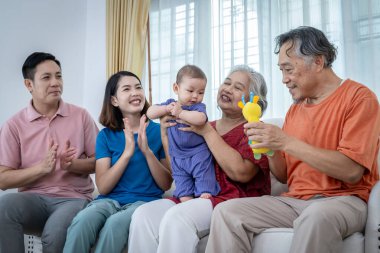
15	178
331	162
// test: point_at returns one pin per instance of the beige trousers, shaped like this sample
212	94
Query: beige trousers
320	224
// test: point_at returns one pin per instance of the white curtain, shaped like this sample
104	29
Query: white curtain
179	35
218	34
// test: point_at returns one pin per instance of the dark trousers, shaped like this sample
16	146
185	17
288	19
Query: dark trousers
36	214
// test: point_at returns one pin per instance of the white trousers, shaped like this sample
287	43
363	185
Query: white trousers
162	226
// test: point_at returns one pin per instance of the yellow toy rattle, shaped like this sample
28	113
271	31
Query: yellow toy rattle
252	113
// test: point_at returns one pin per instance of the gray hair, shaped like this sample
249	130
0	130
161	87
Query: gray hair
308	42
257	84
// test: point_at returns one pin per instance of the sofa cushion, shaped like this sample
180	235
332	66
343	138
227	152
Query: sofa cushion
273	240
280	239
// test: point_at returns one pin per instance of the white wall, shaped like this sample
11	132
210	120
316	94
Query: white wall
95	61
72	30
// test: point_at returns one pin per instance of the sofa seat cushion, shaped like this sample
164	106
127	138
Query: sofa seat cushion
273	240
280	239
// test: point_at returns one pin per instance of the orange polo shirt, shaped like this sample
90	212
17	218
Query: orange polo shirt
347	121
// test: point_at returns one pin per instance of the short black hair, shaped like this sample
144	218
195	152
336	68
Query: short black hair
192	71
30	64
308	41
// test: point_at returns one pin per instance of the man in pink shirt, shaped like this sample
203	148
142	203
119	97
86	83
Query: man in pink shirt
47	152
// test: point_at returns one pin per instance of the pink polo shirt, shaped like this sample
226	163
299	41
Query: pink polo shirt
24	141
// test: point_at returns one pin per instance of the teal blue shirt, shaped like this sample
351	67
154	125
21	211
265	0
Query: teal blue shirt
137	182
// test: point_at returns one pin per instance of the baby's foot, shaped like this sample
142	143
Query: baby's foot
205	195
185	198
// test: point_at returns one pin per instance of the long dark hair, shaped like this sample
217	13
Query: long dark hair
111	116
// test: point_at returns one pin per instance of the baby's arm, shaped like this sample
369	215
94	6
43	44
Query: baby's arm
192	117
157	111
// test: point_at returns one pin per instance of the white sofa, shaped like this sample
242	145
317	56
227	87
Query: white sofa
278	240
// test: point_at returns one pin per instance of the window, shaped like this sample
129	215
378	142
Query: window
172	44
218	34
235	39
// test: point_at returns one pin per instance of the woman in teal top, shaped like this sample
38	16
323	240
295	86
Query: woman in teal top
130	169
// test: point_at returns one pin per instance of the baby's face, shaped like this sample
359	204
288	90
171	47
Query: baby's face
190	90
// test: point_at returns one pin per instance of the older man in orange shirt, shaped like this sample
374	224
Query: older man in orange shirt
47	151
326	153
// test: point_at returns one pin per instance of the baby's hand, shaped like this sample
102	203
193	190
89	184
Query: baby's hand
176	110
169	107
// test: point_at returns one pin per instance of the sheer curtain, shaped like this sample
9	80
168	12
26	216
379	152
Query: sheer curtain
179	35
218	34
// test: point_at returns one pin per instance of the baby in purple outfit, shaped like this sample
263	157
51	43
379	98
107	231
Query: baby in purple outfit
191	160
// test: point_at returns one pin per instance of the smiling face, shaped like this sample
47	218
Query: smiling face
231	90
190	90
129	97
47	85
298	73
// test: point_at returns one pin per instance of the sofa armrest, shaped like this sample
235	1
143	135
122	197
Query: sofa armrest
276	187
372	229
